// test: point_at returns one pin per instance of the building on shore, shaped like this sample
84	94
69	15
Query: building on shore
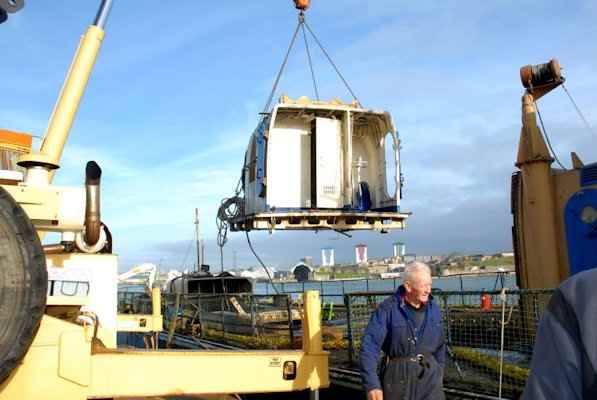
360	251
327	257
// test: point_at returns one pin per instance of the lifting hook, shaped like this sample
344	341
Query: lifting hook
302	4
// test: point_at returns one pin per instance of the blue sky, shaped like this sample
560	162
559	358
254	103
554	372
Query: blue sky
177	90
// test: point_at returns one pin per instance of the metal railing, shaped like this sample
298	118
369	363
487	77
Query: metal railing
462	281
241	319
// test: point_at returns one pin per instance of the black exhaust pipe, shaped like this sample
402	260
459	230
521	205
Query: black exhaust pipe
93	224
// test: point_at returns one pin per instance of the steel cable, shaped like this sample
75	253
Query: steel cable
310	62
301	25
186	255
331	62
277	81
582	117
230	209
553	153
261	262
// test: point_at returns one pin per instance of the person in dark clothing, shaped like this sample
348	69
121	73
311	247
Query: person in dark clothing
408	328
564	364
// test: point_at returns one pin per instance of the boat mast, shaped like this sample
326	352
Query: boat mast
199	241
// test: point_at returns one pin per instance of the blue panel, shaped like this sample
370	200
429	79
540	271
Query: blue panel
580	217
588	175
363	197
261	156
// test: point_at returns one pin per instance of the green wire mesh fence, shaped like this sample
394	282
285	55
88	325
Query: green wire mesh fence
473	333
473	328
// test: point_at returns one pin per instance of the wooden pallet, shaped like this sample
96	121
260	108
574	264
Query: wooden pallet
316	220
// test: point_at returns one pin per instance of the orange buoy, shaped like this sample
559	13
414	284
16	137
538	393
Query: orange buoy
485	302
302	4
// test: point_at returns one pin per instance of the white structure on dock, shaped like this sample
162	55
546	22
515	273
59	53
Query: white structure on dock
399	249
361	253
327	257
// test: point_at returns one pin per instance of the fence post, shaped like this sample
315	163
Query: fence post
290	322
461	290
343	290
448	334
367	281
222	315
348	306
535	310
199	307
173	320
253	314
447	319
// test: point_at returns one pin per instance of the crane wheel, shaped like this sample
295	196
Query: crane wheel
23	283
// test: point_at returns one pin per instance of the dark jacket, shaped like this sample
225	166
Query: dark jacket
564	361
390	330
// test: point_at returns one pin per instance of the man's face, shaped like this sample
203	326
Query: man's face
419	289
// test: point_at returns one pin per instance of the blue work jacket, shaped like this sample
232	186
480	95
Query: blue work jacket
392	331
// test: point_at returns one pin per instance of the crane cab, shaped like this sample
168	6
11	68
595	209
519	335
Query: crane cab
322	165
12	145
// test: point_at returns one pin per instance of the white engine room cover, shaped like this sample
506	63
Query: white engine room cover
329	163
289	165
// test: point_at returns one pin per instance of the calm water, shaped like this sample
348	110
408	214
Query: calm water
338	288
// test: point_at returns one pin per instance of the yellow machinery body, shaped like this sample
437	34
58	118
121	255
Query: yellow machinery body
544	242
69	361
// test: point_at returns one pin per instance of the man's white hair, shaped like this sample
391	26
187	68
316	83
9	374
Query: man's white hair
413	269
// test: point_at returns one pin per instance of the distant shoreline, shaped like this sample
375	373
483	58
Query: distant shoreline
377	277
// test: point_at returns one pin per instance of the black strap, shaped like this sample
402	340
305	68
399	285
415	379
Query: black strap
565	315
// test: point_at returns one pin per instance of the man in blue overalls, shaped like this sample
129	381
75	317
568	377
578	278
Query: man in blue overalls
408	328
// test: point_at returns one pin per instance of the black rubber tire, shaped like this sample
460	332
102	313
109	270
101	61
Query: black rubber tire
23	283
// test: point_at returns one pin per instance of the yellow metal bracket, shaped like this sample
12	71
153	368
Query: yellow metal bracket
75	358
140	323
62	365
51	208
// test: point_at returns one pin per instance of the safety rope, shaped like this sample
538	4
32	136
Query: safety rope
504	300
544	132
582	117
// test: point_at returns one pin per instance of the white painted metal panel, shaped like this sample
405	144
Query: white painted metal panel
329	163
289	165
99	271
